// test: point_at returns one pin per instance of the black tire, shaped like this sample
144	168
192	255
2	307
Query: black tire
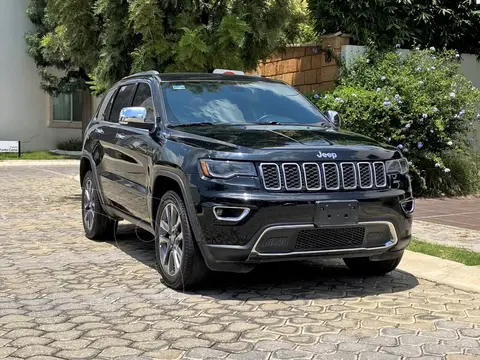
98	225
365	266
192	269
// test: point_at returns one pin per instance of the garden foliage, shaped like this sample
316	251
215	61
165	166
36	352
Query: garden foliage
97	42
418	102
450	24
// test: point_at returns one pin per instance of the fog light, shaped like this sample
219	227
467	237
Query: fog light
230	213
408	206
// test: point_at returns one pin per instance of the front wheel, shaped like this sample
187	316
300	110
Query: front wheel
365	266
178	258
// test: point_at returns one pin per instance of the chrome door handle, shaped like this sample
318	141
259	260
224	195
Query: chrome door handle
120	136
99	131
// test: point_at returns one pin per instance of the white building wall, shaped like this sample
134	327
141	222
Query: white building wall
24	107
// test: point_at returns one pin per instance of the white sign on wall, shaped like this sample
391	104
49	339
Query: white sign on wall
9	146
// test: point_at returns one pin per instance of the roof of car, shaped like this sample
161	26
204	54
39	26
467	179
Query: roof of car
167	77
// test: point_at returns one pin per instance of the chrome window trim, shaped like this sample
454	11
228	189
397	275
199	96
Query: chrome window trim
393	241
354	174
384	173
319	176
278	175
242	216
360	175
325	176
285	176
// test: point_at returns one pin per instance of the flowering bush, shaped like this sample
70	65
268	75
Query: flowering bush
414	100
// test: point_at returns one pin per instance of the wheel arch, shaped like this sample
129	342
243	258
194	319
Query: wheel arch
85	166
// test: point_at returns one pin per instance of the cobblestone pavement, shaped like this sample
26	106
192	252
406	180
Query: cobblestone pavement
64	296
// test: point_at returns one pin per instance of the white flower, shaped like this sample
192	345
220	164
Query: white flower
435	109
421	83
407	126
418	69
437	165
378	90
368	61
450	143
383	78
417	48
432	48
453	95
397	46
447	170
457	55
424	116
431	131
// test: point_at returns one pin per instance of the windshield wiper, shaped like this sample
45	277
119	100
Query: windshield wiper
204	123
322	124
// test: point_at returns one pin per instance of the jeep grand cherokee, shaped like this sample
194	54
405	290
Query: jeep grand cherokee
229	171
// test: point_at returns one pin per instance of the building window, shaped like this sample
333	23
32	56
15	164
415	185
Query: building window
69	110
68	107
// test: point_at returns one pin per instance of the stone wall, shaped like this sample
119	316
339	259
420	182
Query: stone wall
306	66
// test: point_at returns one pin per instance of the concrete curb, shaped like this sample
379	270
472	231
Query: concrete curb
64	162
441	271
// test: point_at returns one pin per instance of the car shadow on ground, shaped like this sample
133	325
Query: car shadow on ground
293	280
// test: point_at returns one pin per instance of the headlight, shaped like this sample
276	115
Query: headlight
399	166
227	169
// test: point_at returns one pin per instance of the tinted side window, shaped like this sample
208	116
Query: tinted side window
143	98
105	106
123	99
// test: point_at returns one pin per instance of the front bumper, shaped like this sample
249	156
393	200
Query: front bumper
279	227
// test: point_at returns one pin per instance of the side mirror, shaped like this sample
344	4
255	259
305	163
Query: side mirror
334	118
136	115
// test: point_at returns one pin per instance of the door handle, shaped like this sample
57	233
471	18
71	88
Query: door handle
99	131
120	136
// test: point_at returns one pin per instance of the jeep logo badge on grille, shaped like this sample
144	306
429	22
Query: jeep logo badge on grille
321	155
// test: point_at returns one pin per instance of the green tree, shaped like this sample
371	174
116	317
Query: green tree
450	24
96	42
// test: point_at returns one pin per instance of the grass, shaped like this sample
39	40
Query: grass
467	257
39	155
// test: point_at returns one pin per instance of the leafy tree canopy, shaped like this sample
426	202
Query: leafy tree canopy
450	24
96	42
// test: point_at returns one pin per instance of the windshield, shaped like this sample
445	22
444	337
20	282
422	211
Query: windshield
238	102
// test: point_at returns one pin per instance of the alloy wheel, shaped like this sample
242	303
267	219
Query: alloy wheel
88	204
171	239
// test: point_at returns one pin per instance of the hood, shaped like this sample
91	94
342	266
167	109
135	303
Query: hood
268	138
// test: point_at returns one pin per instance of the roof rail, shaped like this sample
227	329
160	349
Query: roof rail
145	73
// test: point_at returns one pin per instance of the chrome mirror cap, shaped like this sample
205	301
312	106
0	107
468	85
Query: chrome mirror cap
133	115
334	118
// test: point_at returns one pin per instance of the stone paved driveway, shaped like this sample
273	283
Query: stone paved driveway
63	296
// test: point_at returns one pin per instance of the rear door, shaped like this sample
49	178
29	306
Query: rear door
98	137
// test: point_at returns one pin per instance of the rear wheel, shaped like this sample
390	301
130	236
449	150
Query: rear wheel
96	223
177	255
365	266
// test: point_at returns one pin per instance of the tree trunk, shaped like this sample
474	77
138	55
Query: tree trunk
87	111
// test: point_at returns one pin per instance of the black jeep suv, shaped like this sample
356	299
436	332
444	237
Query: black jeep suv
229	171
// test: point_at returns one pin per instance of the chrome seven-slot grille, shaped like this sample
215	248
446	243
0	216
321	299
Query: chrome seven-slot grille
312	176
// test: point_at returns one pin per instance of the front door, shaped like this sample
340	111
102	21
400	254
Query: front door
134	148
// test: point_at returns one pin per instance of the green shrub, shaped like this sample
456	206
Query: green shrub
74	144
417	101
